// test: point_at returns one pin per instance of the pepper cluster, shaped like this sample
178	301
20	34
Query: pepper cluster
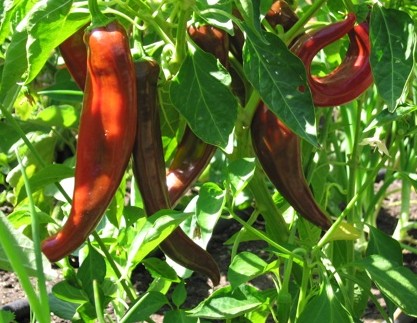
100	62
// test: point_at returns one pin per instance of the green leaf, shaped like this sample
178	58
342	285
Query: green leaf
227	303
325	307
179	316
148	304
7	316
392	39
61	308
22	250
395	281
50	174
48	27
240	172
68	293
156	228
210	203
386	117
58	116
92	268
385	246
278	76
159	268
244	267
179	295
201	93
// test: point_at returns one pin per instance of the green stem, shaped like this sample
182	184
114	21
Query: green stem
303	290
98	19
349	206
97	302
181	43
236	243
130	294
43	294
290	34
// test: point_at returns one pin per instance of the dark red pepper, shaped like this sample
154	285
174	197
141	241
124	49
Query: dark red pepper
352	77
281	13
149	171
74	52
278	151
105	139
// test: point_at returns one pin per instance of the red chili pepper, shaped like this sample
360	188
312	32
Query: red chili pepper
352	77
74	52
106	136
278	151
149	171
281	13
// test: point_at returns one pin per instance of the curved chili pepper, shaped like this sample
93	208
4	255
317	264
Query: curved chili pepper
191	158
352	77
105	139
74	52
278	151
149	171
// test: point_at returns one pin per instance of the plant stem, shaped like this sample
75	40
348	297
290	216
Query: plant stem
43	294
290	34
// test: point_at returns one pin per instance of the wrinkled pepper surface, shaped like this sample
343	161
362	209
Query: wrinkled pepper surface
149	171
278	151
106	136
352	77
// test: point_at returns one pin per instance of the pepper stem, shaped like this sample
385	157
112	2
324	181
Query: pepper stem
98	19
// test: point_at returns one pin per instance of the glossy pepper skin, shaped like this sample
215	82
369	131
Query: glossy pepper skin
193	154
352	77
149	171
74	52
278	151
106	136
281	13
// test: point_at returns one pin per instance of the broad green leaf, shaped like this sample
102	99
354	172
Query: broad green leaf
210	202
395	281
244	267
250	12
385	246
392	39
240	172
279	76
325	307
66	292
226	303
92	268
386	117
49	26
50	174
11	11
58	116
179	316
61	308
201	93
179	295
159	268
218	20
16	247
148	304
156	228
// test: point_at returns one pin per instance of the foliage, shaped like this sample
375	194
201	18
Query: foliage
317	277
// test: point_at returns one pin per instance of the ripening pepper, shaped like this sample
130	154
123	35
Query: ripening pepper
149	171
106	136
74	52
352	77
278	151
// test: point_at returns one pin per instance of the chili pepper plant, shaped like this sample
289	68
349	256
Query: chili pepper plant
133	131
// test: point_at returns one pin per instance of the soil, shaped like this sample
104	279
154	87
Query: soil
198	287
